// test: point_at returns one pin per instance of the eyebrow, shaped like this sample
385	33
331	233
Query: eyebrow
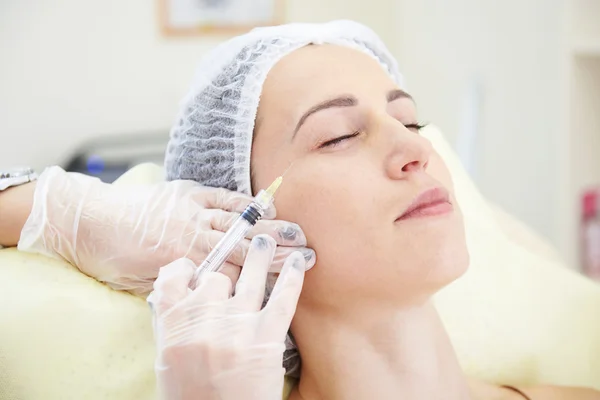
346	101
398	94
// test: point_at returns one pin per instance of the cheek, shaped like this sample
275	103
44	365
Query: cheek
329	206
343	223
317	200
326	208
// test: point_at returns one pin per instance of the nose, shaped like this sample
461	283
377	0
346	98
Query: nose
408	153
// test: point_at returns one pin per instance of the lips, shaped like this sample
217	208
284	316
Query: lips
431	202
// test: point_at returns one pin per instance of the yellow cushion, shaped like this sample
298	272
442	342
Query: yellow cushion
66	336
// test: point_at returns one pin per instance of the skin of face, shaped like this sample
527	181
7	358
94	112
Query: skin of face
347	195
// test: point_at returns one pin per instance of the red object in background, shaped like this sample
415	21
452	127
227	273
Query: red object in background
590	232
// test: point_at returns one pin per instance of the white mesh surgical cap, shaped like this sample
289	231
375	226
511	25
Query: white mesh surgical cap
212	138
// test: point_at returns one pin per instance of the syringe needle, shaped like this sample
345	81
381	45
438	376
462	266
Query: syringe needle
277	182
274	186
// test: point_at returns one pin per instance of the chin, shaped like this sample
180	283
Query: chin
455	268
447	265
442	258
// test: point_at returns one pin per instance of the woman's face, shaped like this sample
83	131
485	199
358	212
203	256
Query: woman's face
358	165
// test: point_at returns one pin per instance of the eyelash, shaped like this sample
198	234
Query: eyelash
337	140
334	142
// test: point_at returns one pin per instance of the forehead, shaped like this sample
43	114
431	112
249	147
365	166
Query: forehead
318	72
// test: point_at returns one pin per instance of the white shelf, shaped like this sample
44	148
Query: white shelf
584	130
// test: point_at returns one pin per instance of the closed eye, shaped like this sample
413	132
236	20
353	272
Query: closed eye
415	127
338	140
333	142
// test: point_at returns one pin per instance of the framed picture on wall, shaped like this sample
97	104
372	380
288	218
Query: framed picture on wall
193	17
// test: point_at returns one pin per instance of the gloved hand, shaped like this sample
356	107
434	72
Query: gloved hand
214	346
122	235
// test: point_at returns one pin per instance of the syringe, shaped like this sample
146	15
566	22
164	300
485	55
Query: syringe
255	211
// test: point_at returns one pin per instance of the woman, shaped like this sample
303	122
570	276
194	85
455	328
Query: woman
374	200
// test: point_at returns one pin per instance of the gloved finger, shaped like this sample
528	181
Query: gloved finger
285	233
282	253
171	286
223	199
281	307
228	269
211	287
250	288
208	240
231	271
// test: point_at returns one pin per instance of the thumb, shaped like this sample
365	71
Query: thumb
222	199
227	200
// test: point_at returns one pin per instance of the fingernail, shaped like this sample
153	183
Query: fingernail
292	232
299	262
262	242
310	257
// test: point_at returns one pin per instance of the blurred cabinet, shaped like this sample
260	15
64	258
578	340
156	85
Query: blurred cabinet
107	158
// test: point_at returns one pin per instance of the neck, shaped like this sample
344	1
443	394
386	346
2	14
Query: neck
401	353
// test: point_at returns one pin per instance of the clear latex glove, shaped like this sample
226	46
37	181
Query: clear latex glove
215	346
122	235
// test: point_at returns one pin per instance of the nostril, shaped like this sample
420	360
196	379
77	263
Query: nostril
411	166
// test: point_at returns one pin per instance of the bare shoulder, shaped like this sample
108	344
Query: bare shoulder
551	392
485	391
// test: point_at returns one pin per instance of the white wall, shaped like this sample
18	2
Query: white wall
515	48
75	69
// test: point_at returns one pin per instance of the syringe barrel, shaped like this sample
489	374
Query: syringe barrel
234	235
217	257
